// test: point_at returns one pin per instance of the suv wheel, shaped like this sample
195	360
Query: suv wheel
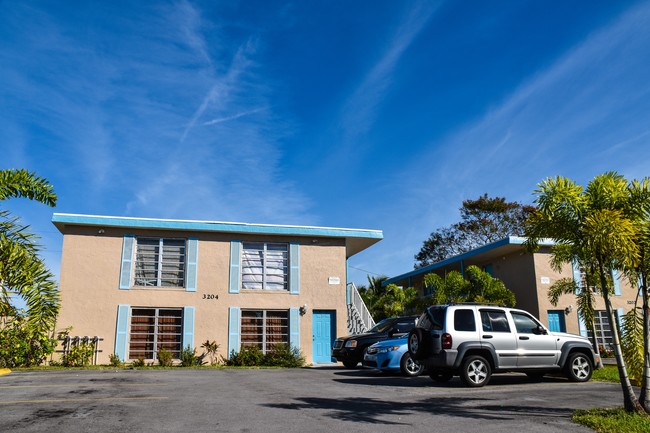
475	371
350	364
410	367
578	367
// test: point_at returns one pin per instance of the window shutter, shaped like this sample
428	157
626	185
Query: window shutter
192	264
235	268
188	327
122	331
294	327
577	275
127	262
294	268
234	314
616	277
582	326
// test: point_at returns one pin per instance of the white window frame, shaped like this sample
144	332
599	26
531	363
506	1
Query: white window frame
604	337
159	263
265	345
156	333
265	274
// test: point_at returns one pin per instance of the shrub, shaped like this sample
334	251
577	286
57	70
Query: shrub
211	348
138	363
189	358
281	355
79	355
284	355
164	357
248	356
114	360
22	346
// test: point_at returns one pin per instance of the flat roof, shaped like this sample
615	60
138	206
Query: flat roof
356	240
486	252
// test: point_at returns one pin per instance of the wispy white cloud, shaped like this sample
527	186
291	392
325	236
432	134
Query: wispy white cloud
360	109
233	117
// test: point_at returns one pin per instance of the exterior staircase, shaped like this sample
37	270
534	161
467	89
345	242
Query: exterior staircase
359	318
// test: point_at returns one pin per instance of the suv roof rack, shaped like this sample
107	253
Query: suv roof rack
487	304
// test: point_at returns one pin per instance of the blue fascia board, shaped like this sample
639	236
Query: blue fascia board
510	240
210	226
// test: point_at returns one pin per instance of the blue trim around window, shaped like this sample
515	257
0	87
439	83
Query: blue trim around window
122	330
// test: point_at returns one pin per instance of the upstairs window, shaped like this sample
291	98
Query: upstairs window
160	262
265	266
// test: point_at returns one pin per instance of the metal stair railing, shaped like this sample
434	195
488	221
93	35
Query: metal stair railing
356	301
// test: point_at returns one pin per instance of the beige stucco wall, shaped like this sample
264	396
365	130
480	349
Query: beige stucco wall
90	293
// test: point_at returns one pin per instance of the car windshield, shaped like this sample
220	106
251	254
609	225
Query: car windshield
382	326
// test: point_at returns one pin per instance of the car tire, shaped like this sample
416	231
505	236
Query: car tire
416	344
578	367
475	371
410	367
350	364
441	376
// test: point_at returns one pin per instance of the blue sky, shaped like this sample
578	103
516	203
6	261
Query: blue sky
367	114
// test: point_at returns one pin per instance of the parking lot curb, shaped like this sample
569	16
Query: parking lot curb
4	371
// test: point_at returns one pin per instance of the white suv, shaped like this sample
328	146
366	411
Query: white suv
475	340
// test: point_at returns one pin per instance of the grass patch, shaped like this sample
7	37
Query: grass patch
612	421
609	373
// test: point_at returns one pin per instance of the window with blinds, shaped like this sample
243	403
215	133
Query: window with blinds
160	262
264	328
265	266
153	329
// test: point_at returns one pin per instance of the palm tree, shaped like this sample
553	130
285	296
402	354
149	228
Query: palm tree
22	272
639	210
591	226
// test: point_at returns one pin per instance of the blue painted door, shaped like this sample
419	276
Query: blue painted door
556	321
323	333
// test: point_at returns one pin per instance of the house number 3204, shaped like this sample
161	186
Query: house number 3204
210	296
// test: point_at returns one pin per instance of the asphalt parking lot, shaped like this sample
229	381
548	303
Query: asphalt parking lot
289	400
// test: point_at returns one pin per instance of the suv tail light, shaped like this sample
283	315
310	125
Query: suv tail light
446	341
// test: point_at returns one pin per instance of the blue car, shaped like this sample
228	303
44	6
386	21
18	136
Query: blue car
392	355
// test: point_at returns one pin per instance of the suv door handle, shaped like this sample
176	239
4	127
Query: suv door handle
524	338
487	336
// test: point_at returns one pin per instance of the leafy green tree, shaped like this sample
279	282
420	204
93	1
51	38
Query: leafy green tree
476	286
373	291
22	271
484	220
395	301
595	227
636	322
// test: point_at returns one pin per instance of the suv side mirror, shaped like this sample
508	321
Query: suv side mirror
539	330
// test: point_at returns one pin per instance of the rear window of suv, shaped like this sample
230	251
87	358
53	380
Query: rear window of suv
464	320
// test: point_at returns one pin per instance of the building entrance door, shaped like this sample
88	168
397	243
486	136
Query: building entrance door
323	333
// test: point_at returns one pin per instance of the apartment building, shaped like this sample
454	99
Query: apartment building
141	284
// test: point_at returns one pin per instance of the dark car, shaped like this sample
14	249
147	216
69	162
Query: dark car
350	350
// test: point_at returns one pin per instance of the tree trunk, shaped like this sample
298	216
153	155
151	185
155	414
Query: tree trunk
630	400
645	381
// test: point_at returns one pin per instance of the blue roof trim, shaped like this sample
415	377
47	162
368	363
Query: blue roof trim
510	240
209	226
